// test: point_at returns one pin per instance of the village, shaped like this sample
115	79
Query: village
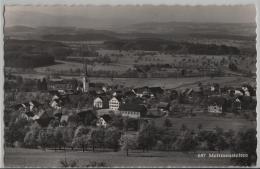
129	93
141	102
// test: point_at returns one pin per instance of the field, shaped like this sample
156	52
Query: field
38	158
209	123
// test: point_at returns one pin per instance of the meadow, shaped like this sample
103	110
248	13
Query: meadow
15	157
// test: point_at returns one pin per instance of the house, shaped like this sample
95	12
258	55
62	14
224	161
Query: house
64	119
163	106
60	84
43	118
102	112
215	104
155	113
142	91
236	105
98	103
156	90
56	104
101	122
132	110
215	108
114	103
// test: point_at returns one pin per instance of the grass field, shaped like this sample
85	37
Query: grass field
18	157
183	82
208	123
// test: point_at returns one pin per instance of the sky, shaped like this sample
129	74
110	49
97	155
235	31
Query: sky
124	2
104	16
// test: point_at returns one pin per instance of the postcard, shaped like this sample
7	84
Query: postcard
130	85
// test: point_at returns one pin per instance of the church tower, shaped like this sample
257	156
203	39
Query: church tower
85	80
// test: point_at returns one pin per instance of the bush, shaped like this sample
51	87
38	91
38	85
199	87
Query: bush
96	164
64	163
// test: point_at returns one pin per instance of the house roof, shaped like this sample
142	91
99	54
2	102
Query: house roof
156	90
216	100
102	112
133	107
98	99
119	98
141	89
154	113
64	118
96	85
163	104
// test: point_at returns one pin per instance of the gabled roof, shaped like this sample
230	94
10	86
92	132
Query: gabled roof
156	90
119	98
163	104
64	118
98	99
141	89
133	107
216	100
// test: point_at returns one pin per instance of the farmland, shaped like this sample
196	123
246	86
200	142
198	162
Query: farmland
208	123
38	158
153	94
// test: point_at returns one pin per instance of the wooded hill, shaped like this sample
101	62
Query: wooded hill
33	53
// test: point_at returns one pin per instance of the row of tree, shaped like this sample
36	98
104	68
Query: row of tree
148	137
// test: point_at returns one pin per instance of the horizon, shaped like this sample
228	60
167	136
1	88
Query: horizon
110	17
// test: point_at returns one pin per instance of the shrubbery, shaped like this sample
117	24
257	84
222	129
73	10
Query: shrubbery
148	137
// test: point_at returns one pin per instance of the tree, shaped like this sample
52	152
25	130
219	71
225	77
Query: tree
68	135
199	126
58	133
128	142
39	84
245	142
229	136
167	123
80	141
30	139
221	143
81	138
147	136
186	141
96	136
17	131
44	84
167	138
117	121
43	139
183	127
112	136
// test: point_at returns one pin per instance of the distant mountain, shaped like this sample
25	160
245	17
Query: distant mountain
198	27
82	35
19	28
154	44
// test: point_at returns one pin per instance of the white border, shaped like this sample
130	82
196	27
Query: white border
125	2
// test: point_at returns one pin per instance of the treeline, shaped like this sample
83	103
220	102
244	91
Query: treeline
33	53
78	37
78	134
165	45
28	60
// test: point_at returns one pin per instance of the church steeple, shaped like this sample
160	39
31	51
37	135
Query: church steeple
85	80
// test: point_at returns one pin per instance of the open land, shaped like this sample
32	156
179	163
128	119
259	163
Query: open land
36	157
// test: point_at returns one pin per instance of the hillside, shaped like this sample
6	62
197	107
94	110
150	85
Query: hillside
166	45
33	53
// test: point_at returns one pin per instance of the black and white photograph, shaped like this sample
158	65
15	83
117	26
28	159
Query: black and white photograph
130	85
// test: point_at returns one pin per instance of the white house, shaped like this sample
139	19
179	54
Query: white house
101	122
114	104
214	108
130	114
98	103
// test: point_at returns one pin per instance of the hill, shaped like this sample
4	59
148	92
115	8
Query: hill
33	53
167	45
